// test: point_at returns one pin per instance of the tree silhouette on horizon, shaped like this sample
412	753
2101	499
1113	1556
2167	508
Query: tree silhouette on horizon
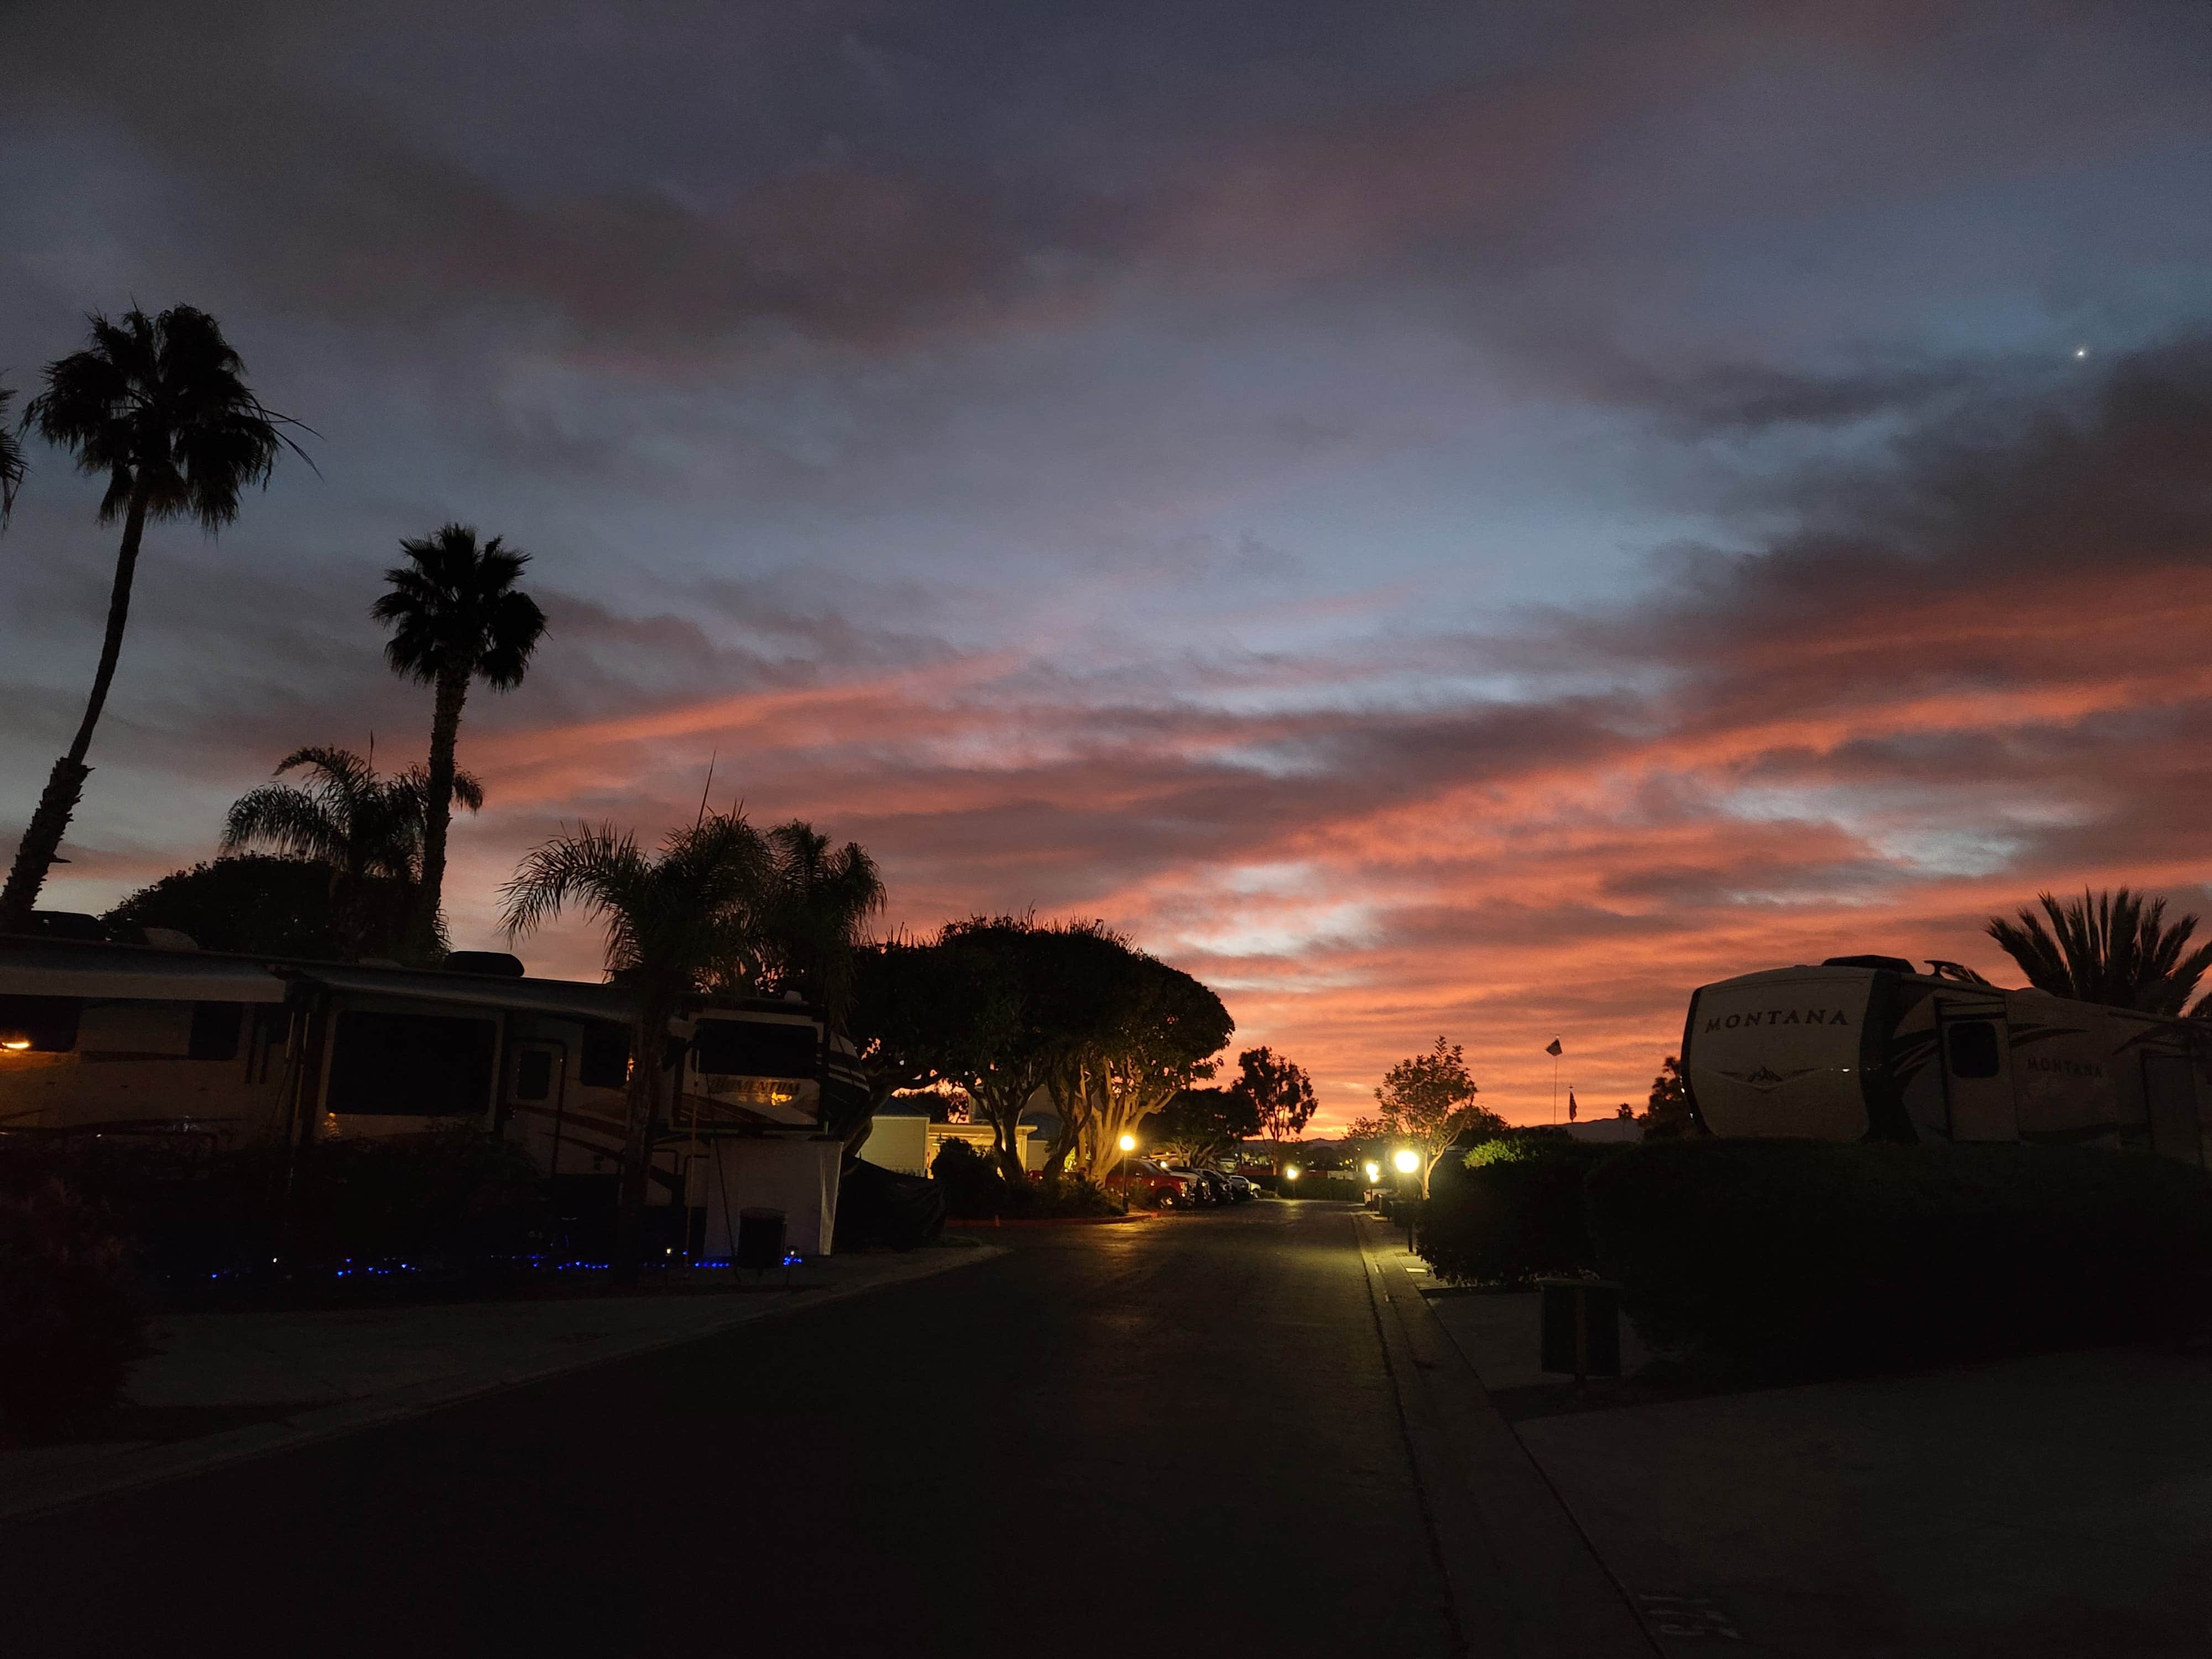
455	615
2115	948
160	406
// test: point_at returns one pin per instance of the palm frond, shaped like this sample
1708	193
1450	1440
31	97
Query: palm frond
455	605
285	819
11	458
160	406
2115	948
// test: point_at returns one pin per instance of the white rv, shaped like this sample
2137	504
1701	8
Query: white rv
1865	1048
130	1040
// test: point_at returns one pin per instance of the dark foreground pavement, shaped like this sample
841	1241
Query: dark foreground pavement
1170	1437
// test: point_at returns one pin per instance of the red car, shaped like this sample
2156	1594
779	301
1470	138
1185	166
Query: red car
1149	1183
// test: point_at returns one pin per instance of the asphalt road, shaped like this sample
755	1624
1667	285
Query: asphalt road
1172	1437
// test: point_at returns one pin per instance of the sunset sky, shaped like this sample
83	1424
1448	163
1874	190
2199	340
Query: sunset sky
1437	518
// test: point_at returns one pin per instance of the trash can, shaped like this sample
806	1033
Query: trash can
760	1239
1581	1327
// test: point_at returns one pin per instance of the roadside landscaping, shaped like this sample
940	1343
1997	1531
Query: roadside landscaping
1785	1259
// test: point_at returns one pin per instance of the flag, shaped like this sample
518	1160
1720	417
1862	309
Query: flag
1570	1105
1554	1049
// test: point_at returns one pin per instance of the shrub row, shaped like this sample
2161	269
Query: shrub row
976	1190
1801	1257
1511	1209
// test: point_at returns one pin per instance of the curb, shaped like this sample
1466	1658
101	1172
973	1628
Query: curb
154	1466
1522	1577
992	1224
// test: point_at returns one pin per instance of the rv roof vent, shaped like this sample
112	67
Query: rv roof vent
495	964
1891	964
168	939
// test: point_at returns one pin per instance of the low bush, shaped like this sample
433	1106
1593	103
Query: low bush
975	1188
1511	1209
449	1194
71	1322
1810	1258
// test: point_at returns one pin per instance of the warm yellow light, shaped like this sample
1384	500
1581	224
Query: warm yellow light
16	1045
1128	1143
1374	1171
1407	1160
1291	1173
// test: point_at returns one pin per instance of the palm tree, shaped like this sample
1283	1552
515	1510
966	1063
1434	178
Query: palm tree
820	902
160	407
367	829
677	922
11	459
456	614
2115	948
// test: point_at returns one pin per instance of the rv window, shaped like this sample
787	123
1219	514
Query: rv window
605	1061
411	1065
45	1025
1973	1045
533	1074
745	1047
215	1030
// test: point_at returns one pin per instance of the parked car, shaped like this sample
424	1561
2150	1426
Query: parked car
1240	1189
1147	1181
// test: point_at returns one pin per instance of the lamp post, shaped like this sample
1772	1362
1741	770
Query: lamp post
1409	1166
1128	1145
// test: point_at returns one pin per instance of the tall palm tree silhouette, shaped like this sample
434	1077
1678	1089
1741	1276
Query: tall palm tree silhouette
455	615
677	922
2115	948
11	458
367	828
160	405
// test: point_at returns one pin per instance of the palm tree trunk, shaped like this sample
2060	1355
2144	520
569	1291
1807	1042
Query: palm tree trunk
640	1097
42	840
437	810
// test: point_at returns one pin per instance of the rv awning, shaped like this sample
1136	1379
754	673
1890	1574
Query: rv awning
43	968
567	998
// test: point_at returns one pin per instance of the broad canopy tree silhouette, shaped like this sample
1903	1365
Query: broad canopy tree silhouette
1430	1099
1281	1095
259	903
364	828
1201	1125
159	406
455	615
2115	948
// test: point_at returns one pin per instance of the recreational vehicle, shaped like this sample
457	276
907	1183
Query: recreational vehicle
1865	1048
132	1040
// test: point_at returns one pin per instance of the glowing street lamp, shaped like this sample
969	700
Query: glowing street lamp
1407	1160
1374	1172
1128	1145
1290	1172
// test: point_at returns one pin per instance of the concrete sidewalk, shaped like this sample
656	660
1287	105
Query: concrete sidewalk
224	1387
2051	1506
1523	1580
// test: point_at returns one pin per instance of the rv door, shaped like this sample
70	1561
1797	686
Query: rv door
2170	1092
1978	1073
535	1072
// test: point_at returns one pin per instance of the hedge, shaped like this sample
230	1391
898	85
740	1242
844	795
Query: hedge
1806	1258
1512	1209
